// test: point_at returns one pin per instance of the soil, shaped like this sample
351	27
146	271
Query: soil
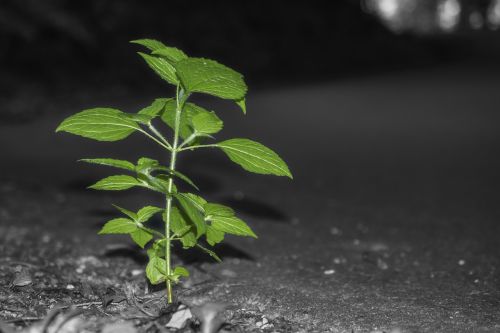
391	223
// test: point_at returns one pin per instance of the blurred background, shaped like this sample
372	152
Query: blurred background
398	82
357	95
56	47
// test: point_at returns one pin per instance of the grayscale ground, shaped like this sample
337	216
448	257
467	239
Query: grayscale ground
391	223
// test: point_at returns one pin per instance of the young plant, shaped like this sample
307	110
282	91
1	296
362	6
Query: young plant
187	216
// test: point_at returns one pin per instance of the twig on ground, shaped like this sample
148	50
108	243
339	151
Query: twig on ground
16	320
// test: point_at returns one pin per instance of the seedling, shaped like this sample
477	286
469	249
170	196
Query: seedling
189	219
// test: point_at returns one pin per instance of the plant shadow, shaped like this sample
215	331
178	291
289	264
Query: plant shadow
198	256
127	251
255	208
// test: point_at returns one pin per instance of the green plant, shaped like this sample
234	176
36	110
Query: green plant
187	216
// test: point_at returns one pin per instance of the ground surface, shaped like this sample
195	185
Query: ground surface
391	221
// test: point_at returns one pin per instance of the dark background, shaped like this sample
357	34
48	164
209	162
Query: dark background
52	48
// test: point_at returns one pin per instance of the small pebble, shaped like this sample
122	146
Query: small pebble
136	272
337	261
335	231
228	273
382	264
329	272
22	279
70	287
461	262
263	324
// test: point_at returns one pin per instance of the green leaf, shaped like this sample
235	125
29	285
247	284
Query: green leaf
172	54
232	225
207	123
140	118
155	108
116	183
121	164
118	226
101	124
254	157
145	164
145	213
242	104
178	225
210	253
151	44
214	236
154	275
162	67
181	271
127	212
160	185
210	77
141	237
181	232
189	111
157	249
192	210
213	209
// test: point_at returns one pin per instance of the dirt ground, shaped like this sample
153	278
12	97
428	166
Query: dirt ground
391	223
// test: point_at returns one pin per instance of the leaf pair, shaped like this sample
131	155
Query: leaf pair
156	273
133	225
194	74
144	169
209	219
194	119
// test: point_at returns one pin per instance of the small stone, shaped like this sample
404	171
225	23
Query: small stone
379	247
461	262
335	231
228	273
263	324
295	221
70	287
180	318
329	272
356	242
137	272
382	264
476	281
46	239
22	279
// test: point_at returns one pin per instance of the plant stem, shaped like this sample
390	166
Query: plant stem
180	99
155	139
158	134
